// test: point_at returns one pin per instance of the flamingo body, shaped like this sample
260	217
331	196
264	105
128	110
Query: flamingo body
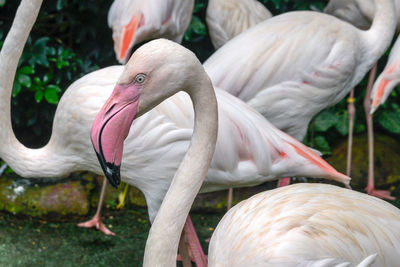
292	66
307	225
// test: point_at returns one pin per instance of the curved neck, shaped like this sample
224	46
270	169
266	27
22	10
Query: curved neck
378	38
14	153
162	243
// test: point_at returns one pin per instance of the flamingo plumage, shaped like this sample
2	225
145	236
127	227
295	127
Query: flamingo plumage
308	225
292	66
361	14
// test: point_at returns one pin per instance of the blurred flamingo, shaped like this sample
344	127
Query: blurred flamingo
360	14
134	22
228	18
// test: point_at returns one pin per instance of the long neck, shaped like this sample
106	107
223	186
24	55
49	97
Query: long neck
377	39
20	158
162	243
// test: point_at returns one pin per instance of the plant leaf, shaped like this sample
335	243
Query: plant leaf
51	94
39	96
390	120
322	144
342	123
24	80
325	120
26	70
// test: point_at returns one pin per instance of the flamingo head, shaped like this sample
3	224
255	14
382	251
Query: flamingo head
151	75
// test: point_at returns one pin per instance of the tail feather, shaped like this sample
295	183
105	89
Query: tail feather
320	165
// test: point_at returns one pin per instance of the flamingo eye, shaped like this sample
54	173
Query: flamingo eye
140	78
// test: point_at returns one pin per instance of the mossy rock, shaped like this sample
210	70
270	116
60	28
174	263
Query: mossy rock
44	197
387	160
76	195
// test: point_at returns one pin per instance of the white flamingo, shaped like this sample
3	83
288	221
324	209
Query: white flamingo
360	14
160	69
293	65
133	22
228	18
249	152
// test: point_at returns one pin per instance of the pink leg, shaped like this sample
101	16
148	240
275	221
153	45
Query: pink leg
193	243
184	253
230	197
352	111
96	220
283	182
385	194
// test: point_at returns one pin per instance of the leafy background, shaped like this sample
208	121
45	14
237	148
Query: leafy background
71	38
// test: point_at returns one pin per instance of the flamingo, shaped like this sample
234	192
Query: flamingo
301	63
388	79
243	155
160	70
228	18
360	14
308	225
133	22
294	65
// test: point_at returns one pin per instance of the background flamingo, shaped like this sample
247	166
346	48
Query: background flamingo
294	65
228	18
360	14
137	21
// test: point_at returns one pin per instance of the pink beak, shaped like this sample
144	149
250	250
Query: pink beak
111	127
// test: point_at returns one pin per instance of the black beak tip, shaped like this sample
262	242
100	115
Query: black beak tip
112	173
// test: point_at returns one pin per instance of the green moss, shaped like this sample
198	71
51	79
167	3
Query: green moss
19	196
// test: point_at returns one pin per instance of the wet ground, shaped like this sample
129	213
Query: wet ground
33	242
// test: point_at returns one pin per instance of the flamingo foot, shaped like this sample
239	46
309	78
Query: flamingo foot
96	222
283	182
122	197
383	194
